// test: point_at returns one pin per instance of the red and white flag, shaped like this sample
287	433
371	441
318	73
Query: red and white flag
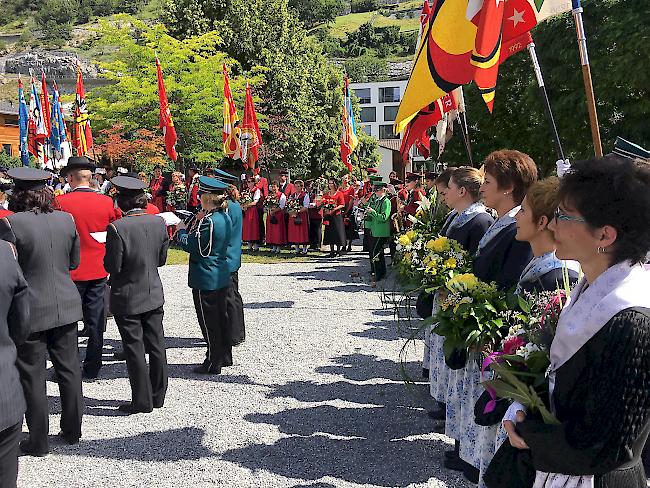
166	121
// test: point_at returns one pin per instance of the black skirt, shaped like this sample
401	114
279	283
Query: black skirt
350	224
334	230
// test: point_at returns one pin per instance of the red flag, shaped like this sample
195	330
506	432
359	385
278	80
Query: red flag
250	138
416	131
83	136
166	122
231	131
518	20
45	105
425	16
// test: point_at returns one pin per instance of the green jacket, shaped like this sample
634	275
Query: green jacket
371	200
380	218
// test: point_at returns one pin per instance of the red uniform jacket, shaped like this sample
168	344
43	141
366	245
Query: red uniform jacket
5	213
414	196
193	191
92	212
263	185
289	189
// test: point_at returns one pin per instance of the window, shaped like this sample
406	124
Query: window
386	132
11	122
368	114
389	94
363	94
367	129
6	148
390	113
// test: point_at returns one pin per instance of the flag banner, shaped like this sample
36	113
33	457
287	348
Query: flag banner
58	134
23	124
349	139
37	133
462	43
45	104
83	136
231	132
166	121
416	131
251	138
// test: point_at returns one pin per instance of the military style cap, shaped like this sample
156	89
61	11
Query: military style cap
128	185
29	178
193	167
211	185
284	172
223	175
77	163
430	175
396	181
374	178
628	149
412	177
379	184
372	171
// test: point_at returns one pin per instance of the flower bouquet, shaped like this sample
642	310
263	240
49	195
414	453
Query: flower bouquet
328	204
245	198
522	362
177	197
410	252
430	216
444	258
294	205
472	315
271	203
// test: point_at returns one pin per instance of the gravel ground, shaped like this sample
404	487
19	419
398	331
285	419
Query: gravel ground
315	398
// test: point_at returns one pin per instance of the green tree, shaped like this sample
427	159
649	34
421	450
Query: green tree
366	68
56	17
315	12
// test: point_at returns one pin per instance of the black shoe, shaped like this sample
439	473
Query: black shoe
27	450
471	473
349	249
455	464
451	454
69	439
83	332
129	409
87	375
119	355
203	369
425	373
437	413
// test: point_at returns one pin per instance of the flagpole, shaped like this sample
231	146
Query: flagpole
547	104
464	130
586	76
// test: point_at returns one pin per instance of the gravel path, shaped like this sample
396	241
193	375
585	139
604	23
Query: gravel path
315	398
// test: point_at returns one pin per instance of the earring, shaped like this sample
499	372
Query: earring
601	250
506	193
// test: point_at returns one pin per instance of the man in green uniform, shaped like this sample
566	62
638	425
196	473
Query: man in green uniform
379	219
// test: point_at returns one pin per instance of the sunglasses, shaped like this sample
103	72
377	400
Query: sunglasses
568	218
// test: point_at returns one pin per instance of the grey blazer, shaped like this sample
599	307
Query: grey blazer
136	245
14	329
48	248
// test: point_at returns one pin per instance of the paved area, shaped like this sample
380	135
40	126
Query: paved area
316	397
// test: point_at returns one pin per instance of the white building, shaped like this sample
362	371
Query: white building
379	103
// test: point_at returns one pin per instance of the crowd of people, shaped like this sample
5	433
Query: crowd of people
588	230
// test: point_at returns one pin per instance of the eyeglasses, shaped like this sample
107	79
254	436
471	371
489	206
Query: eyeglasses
568	218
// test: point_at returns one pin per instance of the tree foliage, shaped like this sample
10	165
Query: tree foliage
316	12
140	150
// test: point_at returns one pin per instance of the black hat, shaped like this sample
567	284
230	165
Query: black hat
211	185
29	178
222	175
412	177
628	149
430	175
193	167
284	172
396	181
6	188
77	163
128	185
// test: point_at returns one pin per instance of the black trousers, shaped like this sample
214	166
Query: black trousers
235	311
94	311
260	214
377	258
211	312
140	333
9	439
315	233
61	344
392	246
367	237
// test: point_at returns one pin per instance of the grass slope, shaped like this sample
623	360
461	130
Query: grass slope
345	24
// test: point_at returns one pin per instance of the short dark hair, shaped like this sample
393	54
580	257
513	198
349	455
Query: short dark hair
129	202
613	191
444	177
37	201
511	167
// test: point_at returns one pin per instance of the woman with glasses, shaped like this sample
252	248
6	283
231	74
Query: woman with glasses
600	356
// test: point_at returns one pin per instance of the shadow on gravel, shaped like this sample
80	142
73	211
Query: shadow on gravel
356	287
379	442
257	305
165	446
388	330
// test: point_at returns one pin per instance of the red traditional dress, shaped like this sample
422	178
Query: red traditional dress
157	187
334	229
299	231
414	196
251	223
193	201
276	229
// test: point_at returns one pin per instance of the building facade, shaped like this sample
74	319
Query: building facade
9	129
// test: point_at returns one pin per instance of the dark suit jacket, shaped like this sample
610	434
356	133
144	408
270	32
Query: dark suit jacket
14	329
503	259
48	248
470	234
136	245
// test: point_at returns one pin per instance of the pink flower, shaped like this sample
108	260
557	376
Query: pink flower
511	345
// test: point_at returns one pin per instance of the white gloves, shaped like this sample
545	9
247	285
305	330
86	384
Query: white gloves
562	167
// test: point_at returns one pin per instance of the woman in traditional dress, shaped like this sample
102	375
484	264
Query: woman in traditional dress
251	224
177	193
298	232
500	258
158	189
276	229
315	217
349	221
334	230
600	356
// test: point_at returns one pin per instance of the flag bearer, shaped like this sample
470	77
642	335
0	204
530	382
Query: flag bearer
379	217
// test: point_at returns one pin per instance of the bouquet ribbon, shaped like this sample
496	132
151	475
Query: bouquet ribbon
493	357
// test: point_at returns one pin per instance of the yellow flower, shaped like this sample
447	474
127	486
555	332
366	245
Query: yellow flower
462	282
440	244
450	263
411	234
404	240
407	257
463	300
429	245
426	260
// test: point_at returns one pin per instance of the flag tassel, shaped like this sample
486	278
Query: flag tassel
547	103
586	76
